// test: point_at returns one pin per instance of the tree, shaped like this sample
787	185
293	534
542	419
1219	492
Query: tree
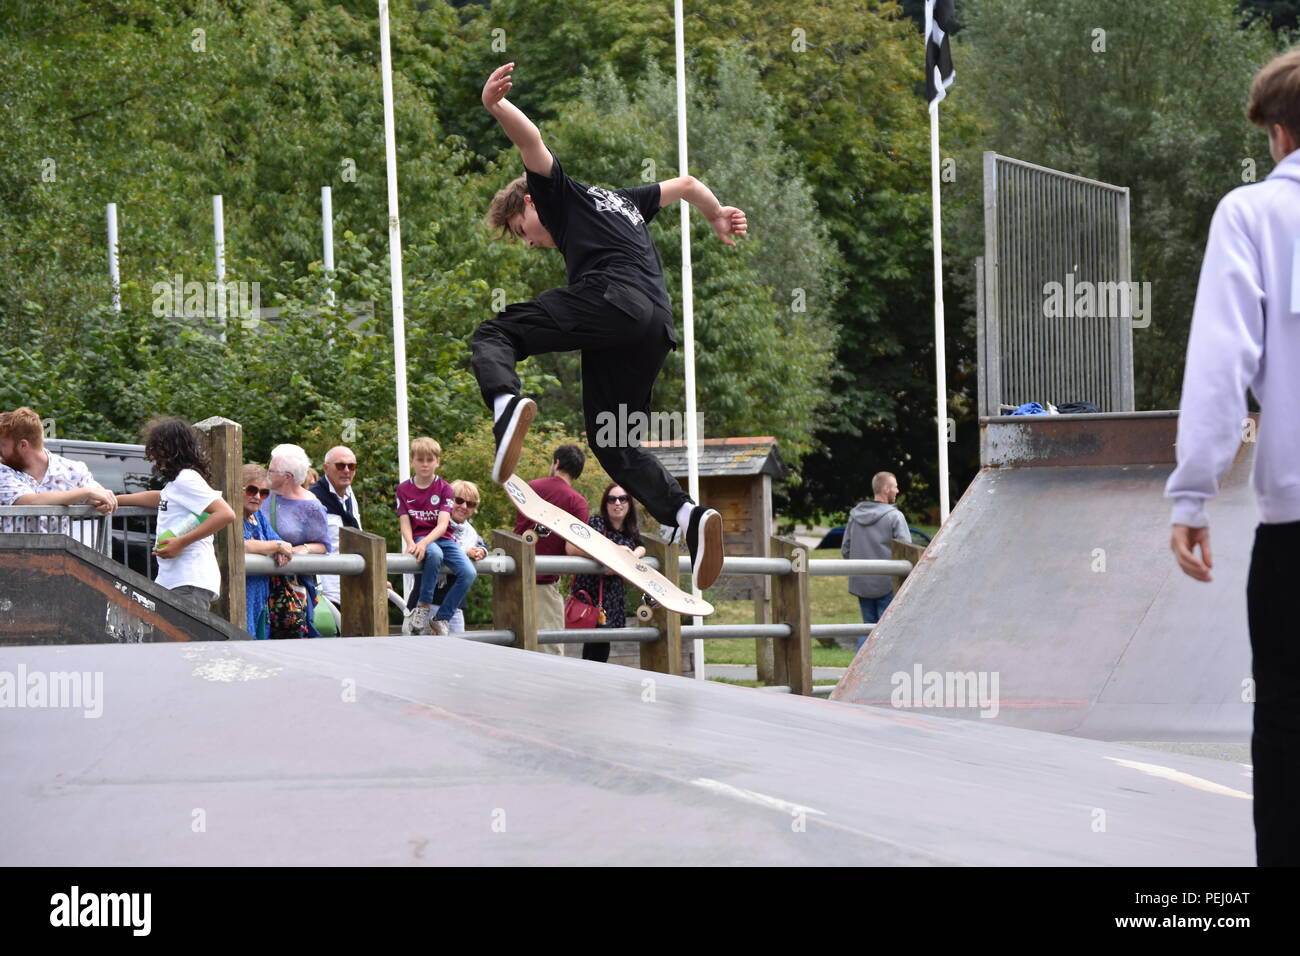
762	308
1112	98
1282	14
843	75
158	108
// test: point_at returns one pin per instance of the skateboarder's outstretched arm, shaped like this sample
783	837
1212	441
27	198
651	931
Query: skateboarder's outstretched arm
521	130
727	221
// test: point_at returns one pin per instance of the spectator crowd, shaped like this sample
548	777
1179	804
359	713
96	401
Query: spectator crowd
288	509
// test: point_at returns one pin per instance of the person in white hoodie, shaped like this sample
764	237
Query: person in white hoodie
1246	334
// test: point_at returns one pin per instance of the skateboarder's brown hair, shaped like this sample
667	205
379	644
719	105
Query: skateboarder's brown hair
506	205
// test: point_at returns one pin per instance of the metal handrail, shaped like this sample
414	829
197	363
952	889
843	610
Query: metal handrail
347	564
400	563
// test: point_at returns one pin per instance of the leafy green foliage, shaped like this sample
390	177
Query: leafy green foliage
762	308
841	79
1133	115
805	113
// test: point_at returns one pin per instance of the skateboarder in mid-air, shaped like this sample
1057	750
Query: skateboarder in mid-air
615	309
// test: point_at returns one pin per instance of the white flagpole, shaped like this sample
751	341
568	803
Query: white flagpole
941	378
688	305
327	234
114	277
219	256
395	252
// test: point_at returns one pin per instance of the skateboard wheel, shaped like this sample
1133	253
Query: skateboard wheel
644	613
530	537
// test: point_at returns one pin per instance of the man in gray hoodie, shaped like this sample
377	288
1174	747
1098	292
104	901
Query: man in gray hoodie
1246	335
872	525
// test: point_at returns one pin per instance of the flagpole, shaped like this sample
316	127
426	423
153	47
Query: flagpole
940	360
938	61
219	260
327	237
688	309
395	252
114	276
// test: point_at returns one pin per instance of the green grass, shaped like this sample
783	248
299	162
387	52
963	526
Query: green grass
831	604
741	651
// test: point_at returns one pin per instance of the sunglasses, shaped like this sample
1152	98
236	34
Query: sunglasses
344	465
619	499
260	492
467	504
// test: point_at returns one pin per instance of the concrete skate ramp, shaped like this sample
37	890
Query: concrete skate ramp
55	590
1054	574
408	750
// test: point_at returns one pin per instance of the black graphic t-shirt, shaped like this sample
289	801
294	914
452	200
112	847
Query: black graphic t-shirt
603	234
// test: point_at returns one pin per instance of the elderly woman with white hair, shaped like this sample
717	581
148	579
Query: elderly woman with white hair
299	518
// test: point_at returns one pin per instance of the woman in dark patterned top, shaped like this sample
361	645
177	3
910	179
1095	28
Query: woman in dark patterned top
616	521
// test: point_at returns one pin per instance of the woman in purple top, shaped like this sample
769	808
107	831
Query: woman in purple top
296	515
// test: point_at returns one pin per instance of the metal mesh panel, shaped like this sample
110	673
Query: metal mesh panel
1041	227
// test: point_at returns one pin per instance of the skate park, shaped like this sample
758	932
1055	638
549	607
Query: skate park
469	752
1046	688
1091	682
1054	571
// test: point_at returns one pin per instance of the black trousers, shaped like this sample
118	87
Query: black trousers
596	652
1275	666
624	337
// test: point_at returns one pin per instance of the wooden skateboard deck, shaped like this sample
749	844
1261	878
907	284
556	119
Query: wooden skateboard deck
617	558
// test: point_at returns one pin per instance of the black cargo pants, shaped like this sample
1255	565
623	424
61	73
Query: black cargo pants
624	337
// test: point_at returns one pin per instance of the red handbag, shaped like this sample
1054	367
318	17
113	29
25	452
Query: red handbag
580	613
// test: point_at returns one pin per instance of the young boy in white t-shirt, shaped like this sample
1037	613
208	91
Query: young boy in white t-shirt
190	512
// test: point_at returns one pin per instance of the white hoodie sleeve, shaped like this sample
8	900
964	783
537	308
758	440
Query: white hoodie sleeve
1223	359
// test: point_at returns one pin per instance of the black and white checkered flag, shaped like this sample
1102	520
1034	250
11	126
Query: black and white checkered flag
938	58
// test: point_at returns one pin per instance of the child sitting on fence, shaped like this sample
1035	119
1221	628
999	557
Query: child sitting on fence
424	506
464	504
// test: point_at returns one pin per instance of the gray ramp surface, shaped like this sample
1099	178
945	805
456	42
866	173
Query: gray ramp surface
1060	581
408	750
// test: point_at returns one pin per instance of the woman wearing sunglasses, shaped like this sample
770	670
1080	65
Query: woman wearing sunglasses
260	538
616	521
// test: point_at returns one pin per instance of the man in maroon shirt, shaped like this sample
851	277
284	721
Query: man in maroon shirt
566	467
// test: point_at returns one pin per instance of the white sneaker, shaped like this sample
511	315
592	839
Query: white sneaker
704	542
441	627
418	622
509	432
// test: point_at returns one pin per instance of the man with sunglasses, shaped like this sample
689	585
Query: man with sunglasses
334	491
